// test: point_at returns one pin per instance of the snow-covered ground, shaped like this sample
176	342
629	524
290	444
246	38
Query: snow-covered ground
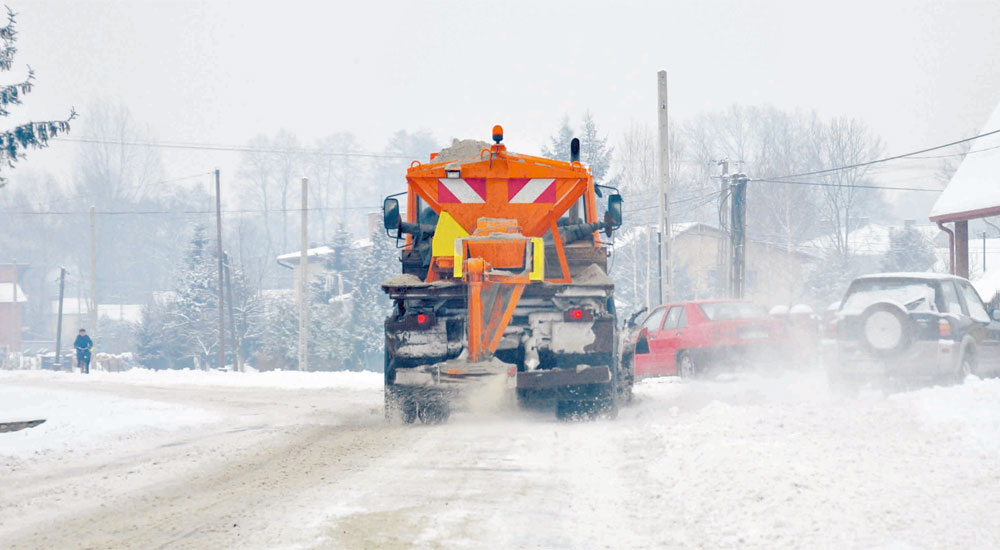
303	460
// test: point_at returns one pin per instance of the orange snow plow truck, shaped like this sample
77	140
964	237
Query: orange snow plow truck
504	285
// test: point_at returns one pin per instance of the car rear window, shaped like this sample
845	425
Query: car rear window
912	295
732	311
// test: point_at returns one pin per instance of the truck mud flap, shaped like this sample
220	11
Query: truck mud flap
557	378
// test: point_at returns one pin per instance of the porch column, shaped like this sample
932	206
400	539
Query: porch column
962	249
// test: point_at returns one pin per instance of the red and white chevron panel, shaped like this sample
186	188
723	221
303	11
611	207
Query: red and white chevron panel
462	190
531	191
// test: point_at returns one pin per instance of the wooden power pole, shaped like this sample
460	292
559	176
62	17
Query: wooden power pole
62	288
237	357
222	312
304	281
93	274
666	261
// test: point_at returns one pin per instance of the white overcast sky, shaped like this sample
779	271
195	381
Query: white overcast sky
918	72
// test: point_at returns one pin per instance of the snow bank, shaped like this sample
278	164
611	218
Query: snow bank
970	411
77	420
284	380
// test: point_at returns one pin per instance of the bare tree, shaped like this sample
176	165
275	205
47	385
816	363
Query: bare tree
334	176
111	172
845	142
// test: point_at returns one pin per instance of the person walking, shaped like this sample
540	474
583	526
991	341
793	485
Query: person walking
83	345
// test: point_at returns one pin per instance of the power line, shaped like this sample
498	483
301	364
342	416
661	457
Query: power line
708	197
855	185
183	212
959	154
234	148
879	161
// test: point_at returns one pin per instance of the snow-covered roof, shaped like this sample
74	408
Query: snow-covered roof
872	239
974	190
7	294
318	252
116	312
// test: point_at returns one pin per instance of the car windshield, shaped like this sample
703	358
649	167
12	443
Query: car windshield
731	311
912	295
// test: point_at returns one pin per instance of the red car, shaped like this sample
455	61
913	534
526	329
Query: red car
686	338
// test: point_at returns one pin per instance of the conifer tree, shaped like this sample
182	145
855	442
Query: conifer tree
36	135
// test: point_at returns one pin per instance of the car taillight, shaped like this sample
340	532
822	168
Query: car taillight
944	328
578	314
831	329
421	318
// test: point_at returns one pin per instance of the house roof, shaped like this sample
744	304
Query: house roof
873	239
321	251
7	294
974	190
115	312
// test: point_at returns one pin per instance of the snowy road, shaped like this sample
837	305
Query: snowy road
749	462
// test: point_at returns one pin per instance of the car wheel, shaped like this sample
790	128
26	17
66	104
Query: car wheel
686	365
966	366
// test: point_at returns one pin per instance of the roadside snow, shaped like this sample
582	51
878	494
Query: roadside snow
283	380
78	420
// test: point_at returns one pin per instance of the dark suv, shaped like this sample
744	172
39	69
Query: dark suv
910	327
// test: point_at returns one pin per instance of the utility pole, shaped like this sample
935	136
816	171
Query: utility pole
237	359
304	280
93	274
15	312
723	282
62	287
738	236
666	275
222	312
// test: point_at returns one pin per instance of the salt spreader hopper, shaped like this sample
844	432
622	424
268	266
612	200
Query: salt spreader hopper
504	276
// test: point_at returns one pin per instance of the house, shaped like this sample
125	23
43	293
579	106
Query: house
12	300
972	193
324	263
774	275
871	239
76	315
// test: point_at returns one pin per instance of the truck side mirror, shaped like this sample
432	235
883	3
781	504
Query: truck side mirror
615	209
390	214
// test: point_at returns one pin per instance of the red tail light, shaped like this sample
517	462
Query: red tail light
421	318
578	314
831	329
944	328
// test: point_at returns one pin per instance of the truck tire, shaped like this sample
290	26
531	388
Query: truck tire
433	412
399	406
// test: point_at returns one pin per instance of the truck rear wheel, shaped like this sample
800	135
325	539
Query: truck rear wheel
399	405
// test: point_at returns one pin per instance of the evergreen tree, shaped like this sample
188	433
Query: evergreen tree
31	134
594	149
378	263
558	148
183	331
908	251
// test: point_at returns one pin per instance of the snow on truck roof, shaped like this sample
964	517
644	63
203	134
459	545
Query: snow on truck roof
974	190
